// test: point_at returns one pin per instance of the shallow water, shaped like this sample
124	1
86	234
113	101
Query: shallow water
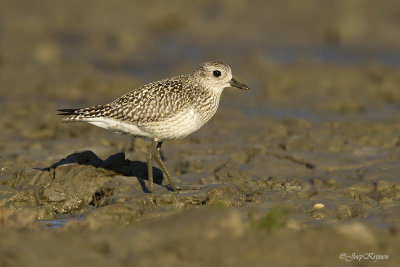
57	223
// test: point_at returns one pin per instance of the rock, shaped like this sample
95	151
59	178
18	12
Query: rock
74	186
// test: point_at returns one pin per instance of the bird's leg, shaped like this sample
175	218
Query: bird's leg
132	144
149	157
166	173
162	166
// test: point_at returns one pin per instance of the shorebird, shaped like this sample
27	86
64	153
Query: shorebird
164	110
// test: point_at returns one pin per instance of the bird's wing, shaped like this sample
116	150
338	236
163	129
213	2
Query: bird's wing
152	102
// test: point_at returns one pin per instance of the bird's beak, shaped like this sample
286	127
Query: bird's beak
235	83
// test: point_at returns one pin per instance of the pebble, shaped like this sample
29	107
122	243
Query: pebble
318	206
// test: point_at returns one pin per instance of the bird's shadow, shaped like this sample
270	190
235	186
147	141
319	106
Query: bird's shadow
116	163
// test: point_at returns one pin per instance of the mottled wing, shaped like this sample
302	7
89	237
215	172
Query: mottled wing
152	102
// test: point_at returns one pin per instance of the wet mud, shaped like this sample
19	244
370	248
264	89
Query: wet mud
303	169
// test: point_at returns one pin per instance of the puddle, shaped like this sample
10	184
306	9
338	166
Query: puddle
59	223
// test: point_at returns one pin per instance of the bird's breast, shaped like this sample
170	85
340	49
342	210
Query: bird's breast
185	121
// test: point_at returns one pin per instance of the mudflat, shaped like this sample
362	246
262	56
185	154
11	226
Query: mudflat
301	170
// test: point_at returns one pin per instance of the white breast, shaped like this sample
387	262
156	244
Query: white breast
176	127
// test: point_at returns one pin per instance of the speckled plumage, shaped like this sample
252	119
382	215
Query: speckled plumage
163	110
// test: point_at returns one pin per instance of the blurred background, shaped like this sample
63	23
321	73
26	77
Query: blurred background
76	51
309	59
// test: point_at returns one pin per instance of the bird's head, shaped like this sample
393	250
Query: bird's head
216	76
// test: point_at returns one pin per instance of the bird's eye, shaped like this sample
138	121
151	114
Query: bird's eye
216	73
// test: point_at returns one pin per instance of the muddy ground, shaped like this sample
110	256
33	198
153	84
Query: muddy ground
301	170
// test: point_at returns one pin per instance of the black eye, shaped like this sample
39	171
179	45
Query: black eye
216	73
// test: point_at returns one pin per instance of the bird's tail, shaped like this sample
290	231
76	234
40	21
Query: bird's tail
81	114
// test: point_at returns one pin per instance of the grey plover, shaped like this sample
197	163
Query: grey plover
165	110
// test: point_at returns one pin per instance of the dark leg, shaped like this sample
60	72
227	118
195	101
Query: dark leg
166	173
162	166
149	157
132	144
